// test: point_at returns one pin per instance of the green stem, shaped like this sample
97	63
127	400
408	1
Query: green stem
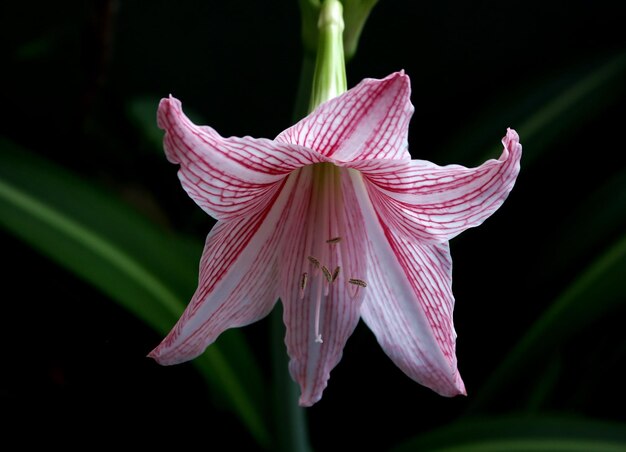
291	424
329	77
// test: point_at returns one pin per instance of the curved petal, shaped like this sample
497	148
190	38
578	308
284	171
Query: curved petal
423	201
409	303
317	309
227	177
238	281
370	121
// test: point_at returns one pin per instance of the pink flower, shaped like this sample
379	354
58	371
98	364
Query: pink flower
333	218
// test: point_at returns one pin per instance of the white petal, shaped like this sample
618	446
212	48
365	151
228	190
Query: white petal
423	201
227	177
330	310
238	281
409	303
370	121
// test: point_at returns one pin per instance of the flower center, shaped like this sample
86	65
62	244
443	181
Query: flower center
327	266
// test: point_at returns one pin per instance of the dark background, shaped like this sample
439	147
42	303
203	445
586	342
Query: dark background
73	359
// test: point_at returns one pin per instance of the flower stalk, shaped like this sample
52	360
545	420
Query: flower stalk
329	77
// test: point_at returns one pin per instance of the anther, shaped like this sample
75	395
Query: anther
334	240
335	274
314	261
303	281
327	274
357	282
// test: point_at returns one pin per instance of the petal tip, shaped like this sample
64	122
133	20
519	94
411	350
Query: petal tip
310	392
308	401
455	387
155	355
511	144
166	105
400	76
165	356
460	387
158	355
511	135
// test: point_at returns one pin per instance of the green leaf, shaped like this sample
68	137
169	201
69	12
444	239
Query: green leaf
574	104
149	271
309	13
142	113
541	112
355	14
517	434
595	292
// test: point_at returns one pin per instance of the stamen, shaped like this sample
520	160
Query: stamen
335	274
357	282
327	274
303	281
328	277
314	261
334	240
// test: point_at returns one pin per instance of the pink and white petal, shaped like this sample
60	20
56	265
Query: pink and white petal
227	177
330	310
370	121
409	303
237	283
422	201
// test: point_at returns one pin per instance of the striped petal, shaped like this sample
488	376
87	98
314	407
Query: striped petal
409	303
370	121
237	283
323	249
227	177
422	201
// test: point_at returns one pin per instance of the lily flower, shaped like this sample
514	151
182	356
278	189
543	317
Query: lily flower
333	218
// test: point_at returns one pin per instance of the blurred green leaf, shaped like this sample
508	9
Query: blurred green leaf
517	434
542	112
594	293
142	113
598	369
150	272
575	103
355	14
545	385
309	12
599	217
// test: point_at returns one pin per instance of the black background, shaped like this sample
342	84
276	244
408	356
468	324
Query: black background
74	360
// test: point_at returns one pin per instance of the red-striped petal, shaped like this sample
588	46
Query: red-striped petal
238	280
227	177
327	209
409	303
370	121
422	201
